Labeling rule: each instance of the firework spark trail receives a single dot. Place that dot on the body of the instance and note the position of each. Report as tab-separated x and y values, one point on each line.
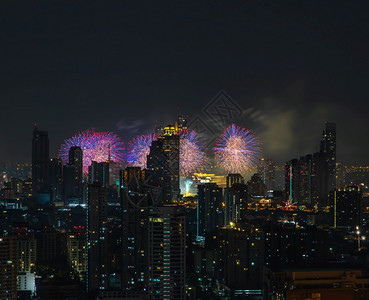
138	149
237	150
96	146
191	153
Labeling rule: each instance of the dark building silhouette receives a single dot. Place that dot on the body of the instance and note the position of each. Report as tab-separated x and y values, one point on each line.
135	205
99	172
346	207
8	267
235	202
56	180
158	173
40	162
210	214
167	253
235	257
256	187
72	177
50	245
328	148
96	237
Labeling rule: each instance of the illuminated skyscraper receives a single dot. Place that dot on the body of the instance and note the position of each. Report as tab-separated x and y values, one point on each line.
96	237
40	162
328	147
292	179
77	251
266	170
167	253
171	142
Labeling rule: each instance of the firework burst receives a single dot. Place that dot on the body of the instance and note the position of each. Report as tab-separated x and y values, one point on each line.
96	146
237	150
138	149
191	153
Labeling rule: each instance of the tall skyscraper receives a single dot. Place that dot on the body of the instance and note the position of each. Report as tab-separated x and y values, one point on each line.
96	237
135	205
99	172
292	179
328	147
235	202
40	162
266	170
72	177
56	180
210	214
171	142
307	186
76	159
167	253
158	173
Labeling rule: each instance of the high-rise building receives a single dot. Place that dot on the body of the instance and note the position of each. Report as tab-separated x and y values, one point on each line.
236	257
77	251
167	253
256	187
328	148
266	170
135	205
210	213
158	173
307	185
346	207
292	179
96	237
76	159
56	180
8	267
235	202
40	162
26	259
50	245
171	142
234	178
99	172
72	177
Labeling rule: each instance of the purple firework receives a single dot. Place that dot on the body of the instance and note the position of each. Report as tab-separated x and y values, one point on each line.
191	153
99	146
138	149
237	150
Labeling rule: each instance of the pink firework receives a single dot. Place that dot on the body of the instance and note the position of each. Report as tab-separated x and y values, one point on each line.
99	146
191	153
237	150
138	149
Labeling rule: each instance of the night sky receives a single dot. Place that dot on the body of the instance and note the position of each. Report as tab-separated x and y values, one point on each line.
123	65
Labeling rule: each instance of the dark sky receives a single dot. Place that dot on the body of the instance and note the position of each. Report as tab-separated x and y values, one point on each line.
121	65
